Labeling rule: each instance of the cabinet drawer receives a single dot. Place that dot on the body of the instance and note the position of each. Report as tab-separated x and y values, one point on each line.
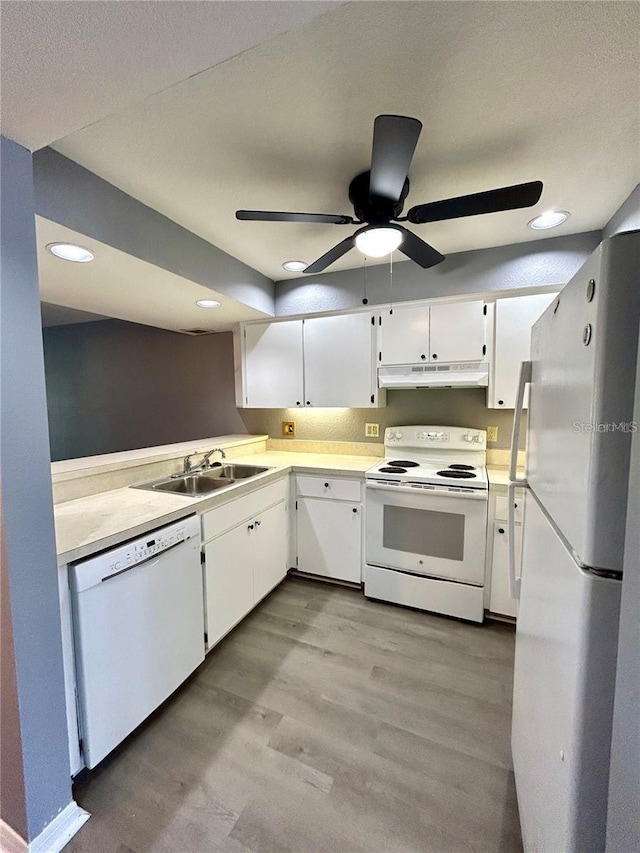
328	487
216	521
502	507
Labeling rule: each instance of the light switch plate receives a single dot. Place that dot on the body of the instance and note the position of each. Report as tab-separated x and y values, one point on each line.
492	433
372	430
289	428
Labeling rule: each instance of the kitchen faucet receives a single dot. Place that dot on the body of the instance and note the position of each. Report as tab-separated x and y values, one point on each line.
203	464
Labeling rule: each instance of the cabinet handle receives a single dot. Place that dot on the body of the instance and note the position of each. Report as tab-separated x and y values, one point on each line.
435	355
501	402
501	530
355	509
308	402
423	356
326	485
249	526
298	403
258	523
515	503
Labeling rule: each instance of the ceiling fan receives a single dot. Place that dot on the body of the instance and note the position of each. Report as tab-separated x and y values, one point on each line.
378	198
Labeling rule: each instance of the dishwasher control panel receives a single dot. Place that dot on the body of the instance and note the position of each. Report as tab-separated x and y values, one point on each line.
104	566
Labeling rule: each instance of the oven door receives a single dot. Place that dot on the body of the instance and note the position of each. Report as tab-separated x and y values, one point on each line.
435	532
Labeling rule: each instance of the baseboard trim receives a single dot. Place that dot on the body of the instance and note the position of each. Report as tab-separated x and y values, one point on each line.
10	841
60	831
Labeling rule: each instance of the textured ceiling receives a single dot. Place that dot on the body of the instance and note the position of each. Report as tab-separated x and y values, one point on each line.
507	92
68	63
118	285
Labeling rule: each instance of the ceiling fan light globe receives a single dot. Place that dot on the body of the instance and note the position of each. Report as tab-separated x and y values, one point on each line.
378	242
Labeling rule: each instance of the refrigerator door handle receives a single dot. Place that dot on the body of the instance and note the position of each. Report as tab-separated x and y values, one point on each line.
514	580
525	378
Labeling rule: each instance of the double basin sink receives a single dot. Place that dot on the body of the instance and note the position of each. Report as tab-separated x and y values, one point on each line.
203	482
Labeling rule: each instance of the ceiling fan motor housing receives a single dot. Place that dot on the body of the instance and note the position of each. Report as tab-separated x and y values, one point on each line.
375	210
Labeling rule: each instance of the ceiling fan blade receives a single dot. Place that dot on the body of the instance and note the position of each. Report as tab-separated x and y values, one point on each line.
332	255
278	216
417	250
505	198
394	141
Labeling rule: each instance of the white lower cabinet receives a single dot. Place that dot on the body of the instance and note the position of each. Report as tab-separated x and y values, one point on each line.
270	545
229	581
329	530
245	556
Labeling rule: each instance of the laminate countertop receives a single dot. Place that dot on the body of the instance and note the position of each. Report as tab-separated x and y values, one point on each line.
90	524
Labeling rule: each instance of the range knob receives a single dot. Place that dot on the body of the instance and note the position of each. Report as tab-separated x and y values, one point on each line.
399	435
468	437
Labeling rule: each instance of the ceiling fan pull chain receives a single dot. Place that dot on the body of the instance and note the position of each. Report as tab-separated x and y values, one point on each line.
365	301
391	283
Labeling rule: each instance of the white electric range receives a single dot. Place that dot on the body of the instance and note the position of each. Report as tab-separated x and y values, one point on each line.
426	520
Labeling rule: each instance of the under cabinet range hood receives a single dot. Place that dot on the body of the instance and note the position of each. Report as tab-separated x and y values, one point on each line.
474	374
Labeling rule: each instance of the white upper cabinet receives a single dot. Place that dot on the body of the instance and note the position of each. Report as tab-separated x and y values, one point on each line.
339	368
273	365
457	332
320	361
404	335
514	318
447	332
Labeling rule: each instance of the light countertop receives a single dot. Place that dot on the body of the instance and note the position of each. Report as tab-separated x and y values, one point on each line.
90	524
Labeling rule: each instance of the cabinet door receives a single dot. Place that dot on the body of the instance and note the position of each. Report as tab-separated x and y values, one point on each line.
271	549
457	332
338	361
404	335
273	365
329	538
228	580
500	601
514	318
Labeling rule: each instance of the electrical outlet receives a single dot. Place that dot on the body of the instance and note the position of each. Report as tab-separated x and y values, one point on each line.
492	433
289	428
372	430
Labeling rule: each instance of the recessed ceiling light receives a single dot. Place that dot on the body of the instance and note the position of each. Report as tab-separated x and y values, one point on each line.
378	242
550	219
71	252
294	266
207	303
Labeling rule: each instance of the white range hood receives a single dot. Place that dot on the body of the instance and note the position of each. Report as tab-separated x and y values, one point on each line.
473	374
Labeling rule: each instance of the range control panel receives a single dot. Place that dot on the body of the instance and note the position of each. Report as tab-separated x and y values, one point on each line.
425	436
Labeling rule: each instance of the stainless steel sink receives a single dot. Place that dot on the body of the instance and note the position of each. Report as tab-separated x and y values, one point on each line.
203	482
236	472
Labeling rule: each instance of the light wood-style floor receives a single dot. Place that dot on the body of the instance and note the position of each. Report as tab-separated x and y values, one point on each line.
325	723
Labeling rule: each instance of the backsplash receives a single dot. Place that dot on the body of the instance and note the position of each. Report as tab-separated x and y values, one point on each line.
463	407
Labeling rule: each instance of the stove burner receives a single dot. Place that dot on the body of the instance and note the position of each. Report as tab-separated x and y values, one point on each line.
392	470
456	475
457	467
402	463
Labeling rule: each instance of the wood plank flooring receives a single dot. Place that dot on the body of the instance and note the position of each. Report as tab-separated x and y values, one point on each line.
325	723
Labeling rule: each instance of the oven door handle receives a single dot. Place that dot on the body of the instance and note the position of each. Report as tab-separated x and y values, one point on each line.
477	494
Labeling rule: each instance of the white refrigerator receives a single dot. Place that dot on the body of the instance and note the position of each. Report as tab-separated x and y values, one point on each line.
582	378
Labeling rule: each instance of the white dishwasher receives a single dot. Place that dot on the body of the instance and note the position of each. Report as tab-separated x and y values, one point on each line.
138	630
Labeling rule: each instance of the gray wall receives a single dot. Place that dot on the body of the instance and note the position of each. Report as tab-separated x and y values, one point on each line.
71	195
550	261
27	510
627	217
113	385
455	407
